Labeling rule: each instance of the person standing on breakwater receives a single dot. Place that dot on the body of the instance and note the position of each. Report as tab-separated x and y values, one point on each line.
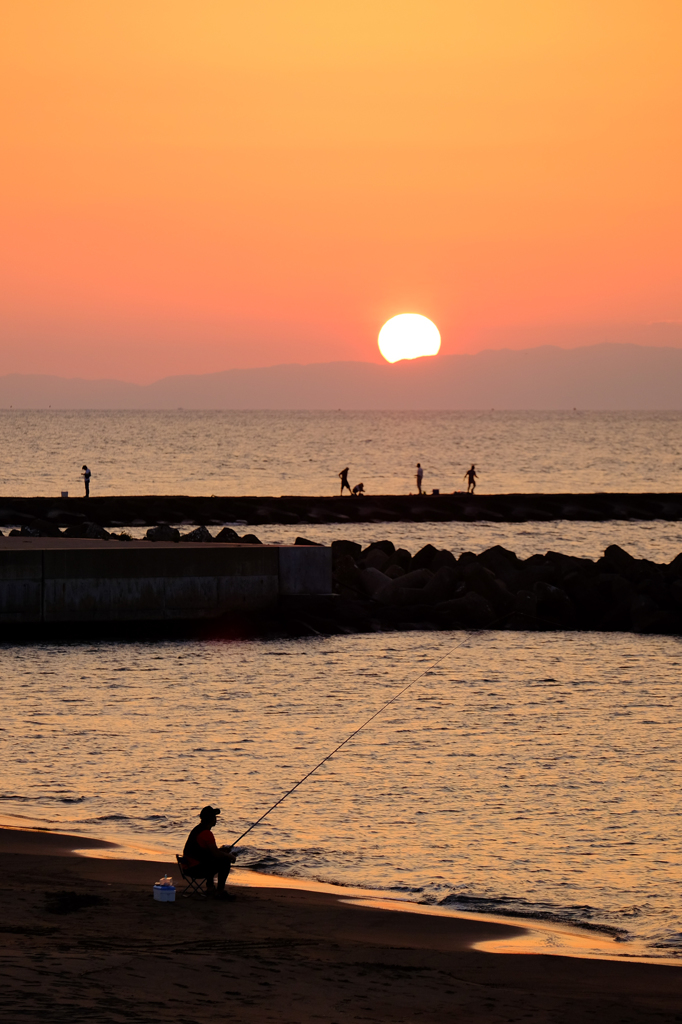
202	856
420	477
343	477
471	475
86	474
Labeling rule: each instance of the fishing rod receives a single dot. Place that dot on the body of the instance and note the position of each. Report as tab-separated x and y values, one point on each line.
359	729
451	650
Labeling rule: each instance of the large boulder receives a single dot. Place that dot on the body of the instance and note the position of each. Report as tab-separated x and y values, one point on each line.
90	531
554	606
393	590
374	582
347	577
536	569
501	562
602	601
471	611
387	546
622	563
400	557
444	559
647	617
93	531
375	559
40	528
424	557
444	584
227	536
483	582
198	536
524	612
163	532
342	548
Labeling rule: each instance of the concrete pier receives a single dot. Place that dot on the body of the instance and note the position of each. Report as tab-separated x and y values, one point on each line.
44	580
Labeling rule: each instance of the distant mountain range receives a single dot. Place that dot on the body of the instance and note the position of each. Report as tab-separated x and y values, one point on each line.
607	376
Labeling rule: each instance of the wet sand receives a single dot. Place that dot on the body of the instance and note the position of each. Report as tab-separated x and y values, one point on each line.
277	953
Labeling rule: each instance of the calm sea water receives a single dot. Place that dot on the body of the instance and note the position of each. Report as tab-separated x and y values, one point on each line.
658	540
536	774
274	453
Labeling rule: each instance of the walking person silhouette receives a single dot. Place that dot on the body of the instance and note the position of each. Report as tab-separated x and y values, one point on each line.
343	476
471	475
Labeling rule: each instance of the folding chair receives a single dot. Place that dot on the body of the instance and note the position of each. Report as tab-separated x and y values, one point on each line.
196	884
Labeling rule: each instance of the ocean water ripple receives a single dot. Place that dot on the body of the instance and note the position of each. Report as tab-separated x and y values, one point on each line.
528	774
275	453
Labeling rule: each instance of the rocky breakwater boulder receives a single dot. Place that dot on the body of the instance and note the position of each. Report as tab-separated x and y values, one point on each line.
163	532
87	531
201	535
384	587
37	528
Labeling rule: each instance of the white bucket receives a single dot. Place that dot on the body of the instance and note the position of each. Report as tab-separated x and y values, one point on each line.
164	893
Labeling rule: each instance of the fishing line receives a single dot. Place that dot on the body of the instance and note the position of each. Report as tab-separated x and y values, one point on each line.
359	729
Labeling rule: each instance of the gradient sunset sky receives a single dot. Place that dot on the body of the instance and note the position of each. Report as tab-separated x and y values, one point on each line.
195	186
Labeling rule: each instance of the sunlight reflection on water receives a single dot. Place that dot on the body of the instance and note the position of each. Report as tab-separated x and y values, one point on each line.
530	773
275	453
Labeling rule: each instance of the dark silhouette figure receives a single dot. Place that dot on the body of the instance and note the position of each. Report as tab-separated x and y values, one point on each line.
359	490
86	474
343	476
471	475
420	477
202	856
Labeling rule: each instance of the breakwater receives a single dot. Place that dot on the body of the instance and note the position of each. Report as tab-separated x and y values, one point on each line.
382	587
149	510
237	588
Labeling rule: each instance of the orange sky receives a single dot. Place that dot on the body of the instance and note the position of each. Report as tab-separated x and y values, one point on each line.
190	187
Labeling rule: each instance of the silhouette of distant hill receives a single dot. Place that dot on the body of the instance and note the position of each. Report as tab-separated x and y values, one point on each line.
607	376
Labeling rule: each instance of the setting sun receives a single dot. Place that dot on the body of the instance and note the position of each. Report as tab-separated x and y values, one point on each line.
408	336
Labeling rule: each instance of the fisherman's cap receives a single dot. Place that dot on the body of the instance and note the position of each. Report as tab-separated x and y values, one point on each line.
206	812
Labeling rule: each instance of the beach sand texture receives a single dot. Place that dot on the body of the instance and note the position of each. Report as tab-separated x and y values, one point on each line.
275	955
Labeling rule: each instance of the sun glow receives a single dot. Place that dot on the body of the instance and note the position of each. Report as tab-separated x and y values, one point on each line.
408	336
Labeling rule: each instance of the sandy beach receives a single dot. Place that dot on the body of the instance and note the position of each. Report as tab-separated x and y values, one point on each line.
279	954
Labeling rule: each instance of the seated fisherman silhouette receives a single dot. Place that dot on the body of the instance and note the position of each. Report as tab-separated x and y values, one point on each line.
202	856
